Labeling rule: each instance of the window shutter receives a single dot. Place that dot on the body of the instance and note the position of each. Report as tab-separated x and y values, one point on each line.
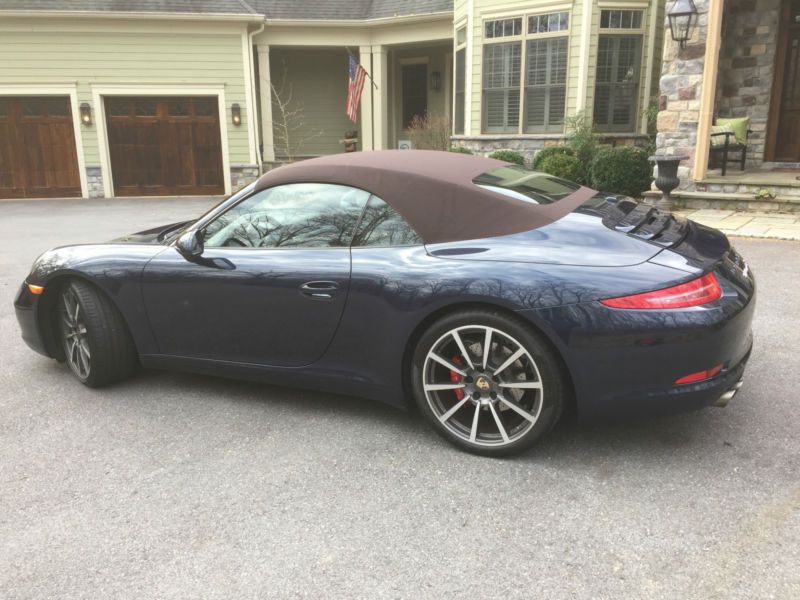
546	79
460	95
616	92
501	79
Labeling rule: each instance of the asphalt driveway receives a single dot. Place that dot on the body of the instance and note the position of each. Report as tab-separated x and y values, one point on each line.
181	486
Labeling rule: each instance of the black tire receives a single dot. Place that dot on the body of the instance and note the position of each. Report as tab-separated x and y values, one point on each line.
98	339
538	360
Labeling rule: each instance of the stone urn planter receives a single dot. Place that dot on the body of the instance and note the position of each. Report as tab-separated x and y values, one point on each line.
667	179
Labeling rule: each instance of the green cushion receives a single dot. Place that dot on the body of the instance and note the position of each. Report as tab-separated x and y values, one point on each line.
719	140
739	126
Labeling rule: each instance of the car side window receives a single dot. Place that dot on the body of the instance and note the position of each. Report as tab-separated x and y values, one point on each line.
295	215
383	226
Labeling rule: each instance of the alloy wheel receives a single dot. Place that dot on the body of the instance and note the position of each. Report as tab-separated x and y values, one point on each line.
483	385
75	335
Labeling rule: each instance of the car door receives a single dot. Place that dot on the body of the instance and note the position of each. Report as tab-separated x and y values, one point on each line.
270	285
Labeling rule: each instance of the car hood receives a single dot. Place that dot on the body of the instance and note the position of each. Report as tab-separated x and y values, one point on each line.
607	231
156	235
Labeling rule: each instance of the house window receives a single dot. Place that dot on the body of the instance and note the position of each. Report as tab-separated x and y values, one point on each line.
503	28
548	23
501	71
617	84
538	63
620	19
460	91
545	84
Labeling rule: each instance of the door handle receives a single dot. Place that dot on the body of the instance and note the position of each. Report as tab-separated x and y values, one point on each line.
321	290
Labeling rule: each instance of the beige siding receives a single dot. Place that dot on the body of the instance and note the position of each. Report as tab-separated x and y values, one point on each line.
318	81
48	52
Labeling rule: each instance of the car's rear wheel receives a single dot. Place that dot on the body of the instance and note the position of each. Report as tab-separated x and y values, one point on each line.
487	382
96	342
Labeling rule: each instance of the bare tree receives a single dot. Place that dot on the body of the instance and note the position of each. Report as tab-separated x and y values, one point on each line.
288	120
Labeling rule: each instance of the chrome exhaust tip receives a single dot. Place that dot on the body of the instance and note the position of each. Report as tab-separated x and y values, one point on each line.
723	400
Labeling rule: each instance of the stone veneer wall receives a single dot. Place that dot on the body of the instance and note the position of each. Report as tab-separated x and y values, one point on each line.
528	146
241	175
746	66
681	87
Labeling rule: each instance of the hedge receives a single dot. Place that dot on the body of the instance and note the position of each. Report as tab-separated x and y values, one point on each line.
563	165
623	171
508	156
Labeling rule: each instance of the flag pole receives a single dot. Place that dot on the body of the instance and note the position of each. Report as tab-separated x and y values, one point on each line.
365	71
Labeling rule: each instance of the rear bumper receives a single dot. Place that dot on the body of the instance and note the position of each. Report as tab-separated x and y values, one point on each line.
26	306
624	363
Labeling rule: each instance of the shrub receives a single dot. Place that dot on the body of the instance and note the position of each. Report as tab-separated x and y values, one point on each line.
430	132
623	170
563	165
581	138
460	150
545	153
508	156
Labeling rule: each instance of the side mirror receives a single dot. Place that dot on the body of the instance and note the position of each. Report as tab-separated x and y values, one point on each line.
190	244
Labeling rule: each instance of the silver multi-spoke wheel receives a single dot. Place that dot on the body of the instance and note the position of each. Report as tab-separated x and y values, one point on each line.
482	385
75	334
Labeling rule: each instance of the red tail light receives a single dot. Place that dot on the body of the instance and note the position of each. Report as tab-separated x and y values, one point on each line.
692	293
700	375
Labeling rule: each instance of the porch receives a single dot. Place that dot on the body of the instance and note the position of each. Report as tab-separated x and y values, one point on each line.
770	188
303	80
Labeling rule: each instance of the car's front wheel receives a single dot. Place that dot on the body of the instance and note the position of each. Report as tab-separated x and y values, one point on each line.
487	382
96	343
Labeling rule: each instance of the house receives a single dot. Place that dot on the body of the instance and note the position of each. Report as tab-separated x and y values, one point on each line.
105	98
740	62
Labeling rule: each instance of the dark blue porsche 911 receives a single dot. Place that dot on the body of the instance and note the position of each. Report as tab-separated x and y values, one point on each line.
493	296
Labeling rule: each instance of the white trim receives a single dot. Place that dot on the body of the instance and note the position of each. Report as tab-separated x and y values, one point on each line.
469	60
51	89
145	16
265	91
541	6
493	13
109	89
583	57
248	92
448	86
362	22
622	5
651	49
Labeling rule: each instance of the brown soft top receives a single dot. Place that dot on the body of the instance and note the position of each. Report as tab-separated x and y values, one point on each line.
432	190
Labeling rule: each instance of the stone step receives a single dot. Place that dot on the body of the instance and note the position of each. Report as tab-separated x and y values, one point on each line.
731	201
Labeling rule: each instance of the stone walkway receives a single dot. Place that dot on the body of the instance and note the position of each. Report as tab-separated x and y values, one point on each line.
782	226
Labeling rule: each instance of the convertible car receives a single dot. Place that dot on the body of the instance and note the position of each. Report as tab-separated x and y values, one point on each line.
492	297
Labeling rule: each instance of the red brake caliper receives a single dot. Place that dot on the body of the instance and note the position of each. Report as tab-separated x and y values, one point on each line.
456	378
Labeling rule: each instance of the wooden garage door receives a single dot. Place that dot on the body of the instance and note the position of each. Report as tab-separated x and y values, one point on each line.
164	146
38	158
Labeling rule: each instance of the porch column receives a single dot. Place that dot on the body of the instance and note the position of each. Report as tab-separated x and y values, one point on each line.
366	133
265	96
687	90
380	75
706	116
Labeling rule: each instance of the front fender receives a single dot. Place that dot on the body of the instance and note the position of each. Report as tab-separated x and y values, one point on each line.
116	269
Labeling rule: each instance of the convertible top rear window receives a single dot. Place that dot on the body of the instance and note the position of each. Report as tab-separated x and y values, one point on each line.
522	184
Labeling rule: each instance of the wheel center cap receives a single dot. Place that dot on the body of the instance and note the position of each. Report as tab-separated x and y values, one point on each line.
483	384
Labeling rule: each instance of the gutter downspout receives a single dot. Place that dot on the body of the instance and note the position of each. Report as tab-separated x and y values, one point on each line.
253	96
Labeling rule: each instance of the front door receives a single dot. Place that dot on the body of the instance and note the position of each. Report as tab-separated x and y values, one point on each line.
271	284
415	92
784	117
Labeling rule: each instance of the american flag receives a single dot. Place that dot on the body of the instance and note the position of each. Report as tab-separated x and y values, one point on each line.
354	87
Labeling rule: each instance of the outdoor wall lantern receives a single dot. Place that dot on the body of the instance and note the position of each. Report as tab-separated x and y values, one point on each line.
86	114
436	81
682	19
236	114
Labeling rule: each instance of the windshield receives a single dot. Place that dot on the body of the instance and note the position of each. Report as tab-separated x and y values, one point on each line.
522	184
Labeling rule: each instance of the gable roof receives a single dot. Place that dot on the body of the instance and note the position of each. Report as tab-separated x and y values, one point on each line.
166	7
317	10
